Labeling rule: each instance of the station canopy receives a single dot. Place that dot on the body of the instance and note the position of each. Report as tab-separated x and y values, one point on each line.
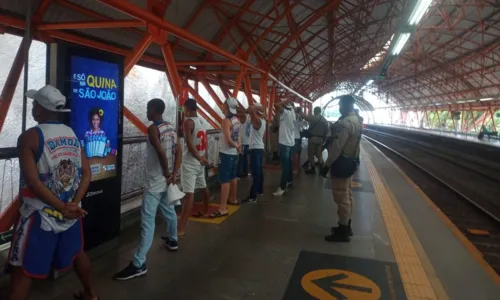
312	46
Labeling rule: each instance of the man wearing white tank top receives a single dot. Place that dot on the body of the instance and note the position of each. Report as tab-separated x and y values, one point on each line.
256	146
193	162
55	176
163	161
229	148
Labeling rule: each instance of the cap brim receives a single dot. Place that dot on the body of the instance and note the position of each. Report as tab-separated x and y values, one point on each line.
31	94
232	110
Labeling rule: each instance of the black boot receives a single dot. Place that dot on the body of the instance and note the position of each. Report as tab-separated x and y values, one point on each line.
348	225
340	234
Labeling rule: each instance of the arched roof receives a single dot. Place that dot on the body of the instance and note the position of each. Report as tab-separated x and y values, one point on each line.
313	46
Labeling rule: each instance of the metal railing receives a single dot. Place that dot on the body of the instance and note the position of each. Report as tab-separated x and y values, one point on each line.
133	167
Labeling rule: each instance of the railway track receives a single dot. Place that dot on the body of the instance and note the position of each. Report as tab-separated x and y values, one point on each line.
468	196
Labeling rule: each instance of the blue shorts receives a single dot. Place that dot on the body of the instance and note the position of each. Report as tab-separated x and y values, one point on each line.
38	251
228	165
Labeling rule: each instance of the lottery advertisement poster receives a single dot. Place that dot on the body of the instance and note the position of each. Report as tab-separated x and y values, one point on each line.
95	98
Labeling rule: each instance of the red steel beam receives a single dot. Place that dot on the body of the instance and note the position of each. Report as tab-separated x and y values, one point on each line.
91	25
172	72
205	63
237	84
141	14
137	53
333	4
211	91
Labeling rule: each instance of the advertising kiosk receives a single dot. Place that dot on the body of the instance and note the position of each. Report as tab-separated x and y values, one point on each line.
92	82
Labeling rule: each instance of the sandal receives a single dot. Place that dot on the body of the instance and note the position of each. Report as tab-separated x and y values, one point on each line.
80	295
233	203
199	215
218	214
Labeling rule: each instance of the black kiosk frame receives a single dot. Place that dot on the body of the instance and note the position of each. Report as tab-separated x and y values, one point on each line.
102	202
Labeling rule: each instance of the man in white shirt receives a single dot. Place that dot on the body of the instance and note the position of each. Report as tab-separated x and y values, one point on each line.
163	160
286	140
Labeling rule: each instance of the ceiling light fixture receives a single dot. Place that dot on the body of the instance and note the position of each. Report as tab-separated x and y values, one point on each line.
485	99
419	11
401	41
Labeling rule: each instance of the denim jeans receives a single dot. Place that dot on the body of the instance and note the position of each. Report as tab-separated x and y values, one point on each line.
243	162
286	165
257	170
149	208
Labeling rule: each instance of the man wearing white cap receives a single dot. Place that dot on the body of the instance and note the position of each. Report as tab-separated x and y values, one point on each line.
55	176
230	147
286	141
256	145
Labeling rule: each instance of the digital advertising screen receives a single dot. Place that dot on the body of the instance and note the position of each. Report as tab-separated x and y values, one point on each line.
95	103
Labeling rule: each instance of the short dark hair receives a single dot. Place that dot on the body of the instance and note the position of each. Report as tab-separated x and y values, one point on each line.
347	100
317	110
157	105
191	104
96	111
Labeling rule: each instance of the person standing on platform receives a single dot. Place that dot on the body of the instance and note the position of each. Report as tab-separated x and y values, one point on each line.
342	164
163	160
54	180
193	163
229	149
244	136
256	145
318	129
286	139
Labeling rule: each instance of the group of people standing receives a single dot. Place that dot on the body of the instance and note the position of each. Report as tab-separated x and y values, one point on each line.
41	242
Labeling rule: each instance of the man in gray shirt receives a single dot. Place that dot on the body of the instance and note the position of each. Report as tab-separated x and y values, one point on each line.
318	129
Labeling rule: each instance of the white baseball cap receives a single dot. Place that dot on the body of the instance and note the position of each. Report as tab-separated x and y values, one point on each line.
232	104
49	98
259	108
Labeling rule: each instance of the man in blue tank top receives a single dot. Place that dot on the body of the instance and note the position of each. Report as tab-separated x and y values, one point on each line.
162	148
48	233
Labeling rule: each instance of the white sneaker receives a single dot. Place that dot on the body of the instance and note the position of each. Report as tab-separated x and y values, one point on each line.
279	192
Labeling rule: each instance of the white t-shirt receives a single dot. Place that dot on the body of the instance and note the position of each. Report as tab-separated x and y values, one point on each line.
200	142
297	128
287	128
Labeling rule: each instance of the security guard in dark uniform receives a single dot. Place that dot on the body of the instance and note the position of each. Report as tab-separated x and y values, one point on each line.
343	154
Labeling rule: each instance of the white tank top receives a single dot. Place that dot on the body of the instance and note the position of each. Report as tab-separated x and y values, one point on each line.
257	136
155	181
59	164
200	141
234	131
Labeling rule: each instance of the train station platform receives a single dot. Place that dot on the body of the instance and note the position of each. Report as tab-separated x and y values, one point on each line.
403	248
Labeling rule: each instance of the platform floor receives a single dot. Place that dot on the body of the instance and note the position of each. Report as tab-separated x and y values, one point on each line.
402	248
469	137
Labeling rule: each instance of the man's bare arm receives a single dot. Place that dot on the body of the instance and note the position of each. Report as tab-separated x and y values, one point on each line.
28	146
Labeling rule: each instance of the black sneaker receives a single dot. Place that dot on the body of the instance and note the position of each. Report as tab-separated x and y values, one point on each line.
172	245
250	200
130	272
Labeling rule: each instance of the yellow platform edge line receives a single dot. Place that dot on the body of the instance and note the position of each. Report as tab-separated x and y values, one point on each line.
415	281
478	256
